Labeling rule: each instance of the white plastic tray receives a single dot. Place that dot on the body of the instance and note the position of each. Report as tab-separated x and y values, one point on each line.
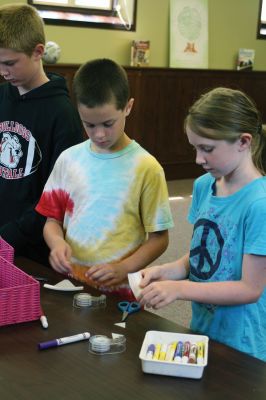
169	367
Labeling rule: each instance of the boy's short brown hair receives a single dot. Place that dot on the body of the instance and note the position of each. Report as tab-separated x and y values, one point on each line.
21	28
101	81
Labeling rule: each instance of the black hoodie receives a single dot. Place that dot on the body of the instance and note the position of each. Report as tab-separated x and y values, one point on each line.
34	129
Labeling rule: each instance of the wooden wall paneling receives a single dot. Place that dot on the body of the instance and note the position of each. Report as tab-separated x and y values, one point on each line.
133	121
169	133
162	99
67	71
175	99
256	89
146	96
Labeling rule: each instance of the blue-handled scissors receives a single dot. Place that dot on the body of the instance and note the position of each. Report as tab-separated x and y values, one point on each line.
128	308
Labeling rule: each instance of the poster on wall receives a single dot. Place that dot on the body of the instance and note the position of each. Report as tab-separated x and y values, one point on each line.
189	33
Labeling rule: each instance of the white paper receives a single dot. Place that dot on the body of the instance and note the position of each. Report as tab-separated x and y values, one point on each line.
121	324
134	281
64	285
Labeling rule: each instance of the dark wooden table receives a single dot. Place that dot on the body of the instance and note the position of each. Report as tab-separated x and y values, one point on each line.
70	372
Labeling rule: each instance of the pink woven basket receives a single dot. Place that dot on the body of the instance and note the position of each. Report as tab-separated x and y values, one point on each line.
19	295
6	251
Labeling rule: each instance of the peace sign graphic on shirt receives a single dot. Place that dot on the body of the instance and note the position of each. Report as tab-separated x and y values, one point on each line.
206	257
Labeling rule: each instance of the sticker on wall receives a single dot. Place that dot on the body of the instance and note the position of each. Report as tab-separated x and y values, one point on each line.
189	33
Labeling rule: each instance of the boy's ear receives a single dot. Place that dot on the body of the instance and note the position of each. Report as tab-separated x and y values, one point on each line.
38	51
129	106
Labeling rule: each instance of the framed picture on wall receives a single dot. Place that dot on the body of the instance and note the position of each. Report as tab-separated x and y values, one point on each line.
189	33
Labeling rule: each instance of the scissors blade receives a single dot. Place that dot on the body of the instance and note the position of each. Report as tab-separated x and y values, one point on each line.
124	316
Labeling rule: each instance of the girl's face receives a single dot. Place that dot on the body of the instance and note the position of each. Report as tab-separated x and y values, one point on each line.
218	157
105	125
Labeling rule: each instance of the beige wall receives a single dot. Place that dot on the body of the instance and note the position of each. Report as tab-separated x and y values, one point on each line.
232	24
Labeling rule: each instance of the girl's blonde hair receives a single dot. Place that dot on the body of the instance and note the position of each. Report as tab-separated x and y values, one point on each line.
224	114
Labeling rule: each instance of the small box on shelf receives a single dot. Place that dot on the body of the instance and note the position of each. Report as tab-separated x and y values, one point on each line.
245	59
140	53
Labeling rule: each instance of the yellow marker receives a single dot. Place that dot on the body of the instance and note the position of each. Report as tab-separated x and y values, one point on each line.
200	347
163	352
170	351
157	351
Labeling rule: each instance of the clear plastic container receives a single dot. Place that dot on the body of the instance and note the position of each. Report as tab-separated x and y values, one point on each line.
82	300
101	345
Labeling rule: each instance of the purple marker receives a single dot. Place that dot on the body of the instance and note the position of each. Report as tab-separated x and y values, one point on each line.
150	351
179	352
64	340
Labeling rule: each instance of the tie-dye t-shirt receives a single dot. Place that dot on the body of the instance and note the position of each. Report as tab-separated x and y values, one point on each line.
107	202
226	228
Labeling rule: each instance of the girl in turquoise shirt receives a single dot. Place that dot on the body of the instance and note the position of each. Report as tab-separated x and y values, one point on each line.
224	274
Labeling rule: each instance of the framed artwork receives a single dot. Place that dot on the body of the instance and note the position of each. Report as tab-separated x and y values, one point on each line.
188	33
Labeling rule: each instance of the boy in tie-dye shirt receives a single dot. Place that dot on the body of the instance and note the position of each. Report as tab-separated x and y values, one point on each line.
106	200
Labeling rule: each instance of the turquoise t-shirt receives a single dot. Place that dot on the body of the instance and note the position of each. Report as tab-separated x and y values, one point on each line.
226	228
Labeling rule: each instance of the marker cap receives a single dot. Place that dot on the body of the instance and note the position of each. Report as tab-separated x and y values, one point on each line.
47	345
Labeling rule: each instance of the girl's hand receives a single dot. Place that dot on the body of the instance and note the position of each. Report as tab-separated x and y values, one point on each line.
150	274
159	294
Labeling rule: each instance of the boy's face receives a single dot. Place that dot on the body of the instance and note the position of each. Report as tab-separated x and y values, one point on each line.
21	70
105	125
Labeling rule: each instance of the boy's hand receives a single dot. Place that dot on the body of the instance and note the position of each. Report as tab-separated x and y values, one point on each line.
60	257
107	274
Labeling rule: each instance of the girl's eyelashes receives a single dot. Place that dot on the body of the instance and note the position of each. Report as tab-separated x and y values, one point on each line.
206	149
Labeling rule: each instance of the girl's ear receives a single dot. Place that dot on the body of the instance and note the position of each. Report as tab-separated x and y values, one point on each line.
129	106
245	141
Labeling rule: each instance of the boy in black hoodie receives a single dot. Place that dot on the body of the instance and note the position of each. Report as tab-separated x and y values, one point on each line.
37	122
